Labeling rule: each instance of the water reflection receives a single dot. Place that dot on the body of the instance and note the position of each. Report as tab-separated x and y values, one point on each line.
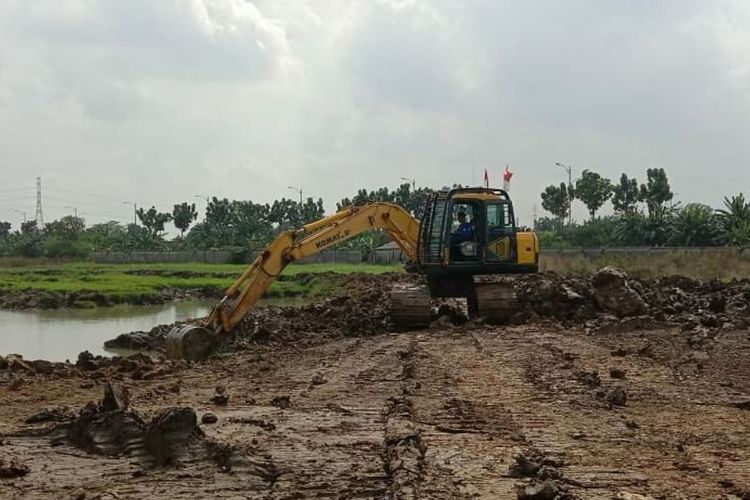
61	334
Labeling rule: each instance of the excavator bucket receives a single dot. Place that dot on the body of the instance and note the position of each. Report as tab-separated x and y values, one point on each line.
191	342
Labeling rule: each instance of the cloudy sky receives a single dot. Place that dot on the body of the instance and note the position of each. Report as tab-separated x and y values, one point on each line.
155	102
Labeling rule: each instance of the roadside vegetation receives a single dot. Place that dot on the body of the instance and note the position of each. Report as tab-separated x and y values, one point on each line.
240	226
133	283
645	215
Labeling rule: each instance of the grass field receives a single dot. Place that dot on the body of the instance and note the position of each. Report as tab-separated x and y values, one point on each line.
706	264
122	280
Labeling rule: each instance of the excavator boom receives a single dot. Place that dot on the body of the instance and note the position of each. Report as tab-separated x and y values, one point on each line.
192	342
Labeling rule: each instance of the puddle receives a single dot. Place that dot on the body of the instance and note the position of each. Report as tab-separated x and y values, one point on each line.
61	334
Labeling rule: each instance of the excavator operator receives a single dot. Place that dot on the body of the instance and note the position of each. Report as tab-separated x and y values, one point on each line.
465	231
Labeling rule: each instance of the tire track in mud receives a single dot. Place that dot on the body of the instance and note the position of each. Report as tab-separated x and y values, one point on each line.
469	431
403	449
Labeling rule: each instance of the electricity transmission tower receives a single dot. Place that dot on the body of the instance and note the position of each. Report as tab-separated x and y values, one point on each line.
39	216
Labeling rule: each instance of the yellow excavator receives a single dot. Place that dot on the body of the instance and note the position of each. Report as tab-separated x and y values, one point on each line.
464	238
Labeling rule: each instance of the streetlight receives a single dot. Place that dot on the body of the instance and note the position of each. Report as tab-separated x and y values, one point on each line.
299	190
135	210
75	210
570	189
20	212
413	182
202	198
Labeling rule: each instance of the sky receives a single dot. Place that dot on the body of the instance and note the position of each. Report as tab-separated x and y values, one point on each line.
159	102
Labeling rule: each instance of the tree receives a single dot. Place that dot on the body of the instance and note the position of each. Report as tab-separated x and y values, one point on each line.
734	220
556	200
153	221
29	227
625	195
105	236
593	190
250	224
635	228
656	192
311	211
694	225
183	216
68	227
4	229
594	233
219	222
29	242
546	224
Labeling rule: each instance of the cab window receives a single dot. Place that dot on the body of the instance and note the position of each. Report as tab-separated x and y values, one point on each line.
498	216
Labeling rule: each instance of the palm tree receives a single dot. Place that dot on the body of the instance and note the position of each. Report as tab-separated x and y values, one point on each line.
694	225
734	220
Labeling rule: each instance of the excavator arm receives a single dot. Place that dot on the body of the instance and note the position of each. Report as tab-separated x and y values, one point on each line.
290	246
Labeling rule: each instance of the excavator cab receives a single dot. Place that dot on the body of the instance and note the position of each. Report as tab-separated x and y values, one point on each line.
495	245
467	265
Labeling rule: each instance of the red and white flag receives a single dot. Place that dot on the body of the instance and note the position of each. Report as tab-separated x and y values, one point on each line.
506	178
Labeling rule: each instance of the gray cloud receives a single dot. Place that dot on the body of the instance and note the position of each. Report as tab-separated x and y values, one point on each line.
155	102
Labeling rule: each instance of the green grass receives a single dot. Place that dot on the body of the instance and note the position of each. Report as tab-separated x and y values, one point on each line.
115	281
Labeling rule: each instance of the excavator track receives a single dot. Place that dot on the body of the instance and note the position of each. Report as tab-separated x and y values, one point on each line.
410	307
496	301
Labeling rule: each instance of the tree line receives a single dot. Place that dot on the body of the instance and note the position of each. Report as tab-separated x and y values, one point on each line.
645	214
227	224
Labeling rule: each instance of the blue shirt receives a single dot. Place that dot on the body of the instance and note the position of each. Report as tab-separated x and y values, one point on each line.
465	232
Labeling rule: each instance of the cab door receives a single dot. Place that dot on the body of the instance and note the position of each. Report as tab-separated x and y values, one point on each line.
500	233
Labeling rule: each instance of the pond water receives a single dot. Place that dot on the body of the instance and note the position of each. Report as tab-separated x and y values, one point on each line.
61	334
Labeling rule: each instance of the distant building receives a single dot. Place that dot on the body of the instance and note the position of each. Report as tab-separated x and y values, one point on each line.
390	253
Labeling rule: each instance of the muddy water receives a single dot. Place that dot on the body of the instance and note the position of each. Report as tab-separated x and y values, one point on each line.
61	334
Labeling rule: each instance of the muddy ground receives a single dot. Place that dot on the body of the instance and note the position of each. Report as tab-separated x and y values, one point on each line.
602	399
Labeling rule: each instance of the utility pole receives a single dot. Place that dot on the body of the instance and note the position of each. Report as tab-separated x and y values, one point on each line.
412	181
570	191
20	212
534	215
135	210
299	190
39	216
75	210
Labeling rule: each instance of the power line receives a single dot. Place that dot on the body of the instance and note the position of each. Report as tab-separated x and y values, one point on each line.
79	193
20	198
89	203
11	190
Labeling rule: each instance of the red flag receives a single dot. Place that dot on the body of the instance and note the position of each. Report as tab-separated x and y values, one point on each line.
507	174
506	178
486	179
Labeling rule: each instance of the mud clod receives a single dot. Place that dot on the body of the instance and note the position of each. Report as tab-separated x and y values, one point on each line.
220	399
617	373
56	414
13	469
282	402
111	428
546	490
209	418
590	379
617	397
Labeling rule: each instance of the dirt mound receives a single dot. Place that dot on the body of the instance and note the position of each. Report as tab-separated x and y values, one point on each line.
111	428
360	308
608	299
